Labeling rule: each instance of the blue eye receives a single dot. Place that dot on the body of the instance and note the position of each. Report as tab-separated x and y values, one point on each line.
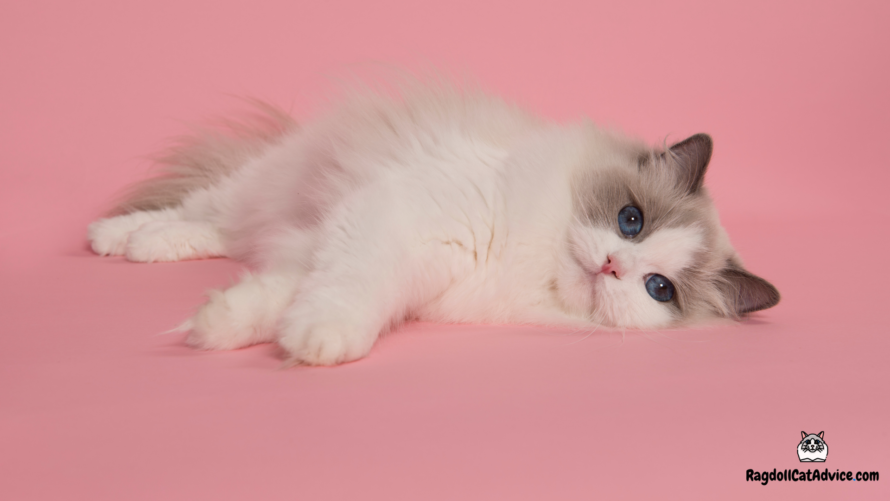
630	221
660	288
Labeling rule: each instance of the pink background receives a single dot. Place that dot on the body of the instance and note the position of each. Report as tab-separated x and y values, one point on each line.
94	405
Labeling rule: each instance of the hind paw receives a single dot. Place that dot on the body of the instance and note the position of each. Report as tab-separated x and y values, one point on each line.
173	241
242	315
109	236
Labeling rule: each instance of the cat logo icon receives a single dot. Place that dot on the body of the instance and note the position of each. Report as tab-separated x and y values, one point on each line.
812	448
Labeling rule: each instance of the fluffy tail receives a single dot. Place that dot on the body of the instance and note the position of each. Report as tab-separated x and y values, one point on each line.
201	159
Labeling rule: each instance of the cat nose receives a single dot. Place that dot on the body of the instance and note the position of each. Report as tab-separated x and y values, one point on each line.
612	267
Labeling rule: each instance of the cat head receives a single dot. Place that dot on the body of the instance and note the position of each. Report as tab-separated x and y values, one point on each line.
812	443
646	248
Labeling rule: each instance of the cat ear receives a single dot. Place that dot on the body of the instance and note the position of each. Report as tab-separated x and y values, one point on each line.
745	292
803	434
690	158
821	433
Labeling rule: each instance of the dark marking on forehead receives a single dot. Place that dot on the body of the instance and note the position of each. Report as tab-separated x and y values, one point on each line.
600	196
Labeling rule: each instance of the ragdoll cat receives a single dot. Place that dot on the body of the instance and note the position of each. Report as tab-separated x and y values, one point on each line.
812	447
441	205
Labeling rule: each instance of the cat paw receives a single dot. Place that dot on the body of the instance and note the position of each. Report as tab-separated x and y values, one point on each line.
225	323
326	343
108	237
173	241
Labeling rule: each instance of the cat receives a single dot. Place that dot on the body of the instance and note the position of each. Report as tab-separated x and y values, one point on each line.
812	447
439	204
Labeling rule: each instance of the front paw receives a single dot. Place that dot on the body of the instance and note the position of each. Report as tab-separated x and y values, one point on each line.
226	323
329	342
108	237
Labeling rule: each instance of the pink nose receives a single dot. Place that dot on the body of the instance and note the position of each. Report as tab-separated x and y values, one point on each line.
612	267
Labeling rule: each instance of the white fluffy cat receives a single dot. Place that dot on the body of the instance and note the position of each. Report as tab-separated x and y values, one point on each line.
437	204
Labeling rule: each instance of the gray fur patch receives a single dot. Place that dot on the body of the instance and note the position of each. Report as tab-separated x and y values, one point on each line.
203	158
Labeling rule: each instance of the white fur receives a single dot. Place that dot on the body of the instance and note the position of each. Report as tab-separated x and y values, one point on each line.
244	314
149	236
447	208
109	237
623	301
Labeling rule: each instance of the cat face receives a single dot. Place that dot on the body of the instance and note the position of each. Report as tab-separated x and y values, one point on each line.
812	447
812	442
646	248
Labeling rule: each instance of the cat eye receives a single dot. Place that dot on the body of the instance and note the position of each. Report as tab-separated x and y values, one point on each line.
660	288
630	221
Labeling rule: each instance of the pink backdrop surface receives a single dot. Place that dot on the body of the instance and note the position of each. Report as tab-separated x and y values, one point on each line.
94	404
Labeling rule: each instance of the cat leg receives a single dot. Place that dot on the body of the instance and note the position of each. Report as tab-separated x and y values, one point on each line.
249	312
148	236
244	314
367	276
174	241
109	236
339	313
333	323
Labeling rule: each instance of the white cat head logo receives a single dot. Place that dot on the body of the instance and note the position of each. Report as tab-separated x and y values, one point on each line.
812	448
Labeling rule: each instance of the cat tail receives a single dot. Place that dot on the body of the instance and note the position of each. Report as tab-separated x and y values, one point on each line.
205	156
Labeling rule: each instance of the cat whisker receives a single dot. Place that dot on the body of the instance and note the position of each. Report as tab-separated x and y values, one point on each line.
590	333
646	335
